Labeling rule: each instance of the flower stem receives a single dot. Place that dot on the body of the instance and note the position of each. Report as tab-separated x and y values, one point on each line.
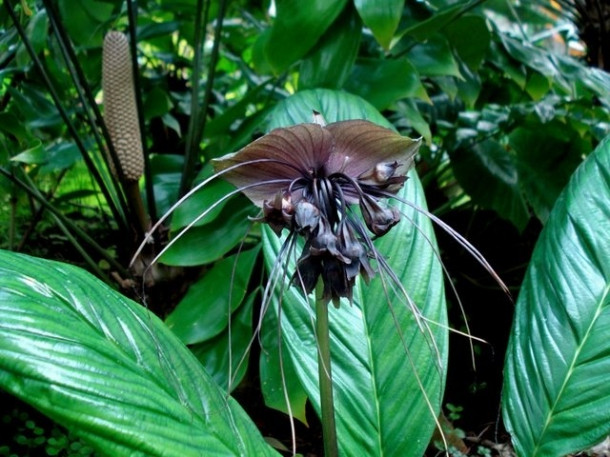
329	429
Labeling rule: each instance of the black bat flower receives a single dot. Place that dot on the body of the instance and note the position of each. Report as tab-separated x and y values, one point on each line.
308	179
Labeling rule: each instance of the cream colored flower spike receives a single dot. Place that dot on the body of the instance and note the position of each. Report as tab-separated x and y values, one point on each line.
120	109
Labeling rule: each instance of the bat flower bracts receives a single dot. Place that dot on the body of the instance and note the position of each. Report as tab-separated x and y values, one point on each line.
309	178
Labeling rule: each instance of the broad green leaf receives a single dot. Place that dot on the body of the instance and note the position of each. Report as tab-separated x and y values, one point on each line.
547	155
423	30
470	37
108	370
156	29
434	58
381	358
538	60
331	60
408	109
537	85
382	17
469	87
208	243
61	155
33	155
34	106
331	103
556	398
157	103
297	27
488	173
214	354
277	372
383	81
203	312
202	200
84	20
166	171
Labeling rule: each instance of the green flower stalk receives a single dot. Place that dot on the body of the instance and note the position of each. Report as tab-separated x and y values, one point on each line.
308	179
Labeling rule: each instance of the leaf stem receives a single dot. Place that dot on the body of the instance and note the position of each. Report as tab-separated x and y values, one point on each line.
329	428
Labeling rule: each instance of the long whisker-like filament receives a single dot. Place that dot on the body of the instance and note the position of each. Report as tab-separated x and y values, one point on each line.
274	276
453	289
293	433
184	230
205	182
427	333
230	376
459	238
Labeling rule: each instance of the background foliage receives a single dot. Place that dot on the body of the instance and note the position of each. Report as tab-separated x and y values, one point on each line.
510	98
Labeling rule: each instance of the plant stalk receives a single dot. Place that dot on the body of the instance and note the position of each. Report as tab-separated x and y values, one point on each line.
329	429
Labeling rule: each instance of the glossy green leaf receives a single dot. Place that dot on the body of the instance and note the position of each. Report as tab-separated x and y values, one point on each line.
201	201
83	20
383	81
380	355
382	17
61	155
469	88
166	171
488	173
556	392
157	103
408	109
208	243
33	155
331	60
203	312
297	27
227	371
331	103
538	60
434	58
547	155
423	30
108	370
277	372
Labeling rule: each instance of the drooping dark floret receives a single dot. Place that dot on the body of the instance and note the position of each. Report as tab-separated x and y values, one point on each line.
308	179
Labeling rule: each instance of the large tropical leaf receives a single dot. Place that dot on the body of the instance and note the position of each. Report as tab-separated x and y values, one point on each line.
387	372
382	17
297	27
556	392
108	369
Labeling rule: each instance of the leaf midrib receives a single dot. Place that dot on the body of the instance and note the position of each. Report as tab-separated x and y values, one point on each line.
550	416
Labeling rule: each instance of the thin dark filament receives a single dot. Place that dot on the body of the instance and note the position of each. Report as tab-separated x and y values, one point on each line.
453	290
230	313
183	232
320	203
427	333
278	270
424	328
148	236
293	433
383	265
456	236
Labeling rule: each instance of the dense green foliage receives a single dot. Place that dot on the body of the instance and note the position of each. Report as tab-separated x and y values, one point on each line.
506	114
